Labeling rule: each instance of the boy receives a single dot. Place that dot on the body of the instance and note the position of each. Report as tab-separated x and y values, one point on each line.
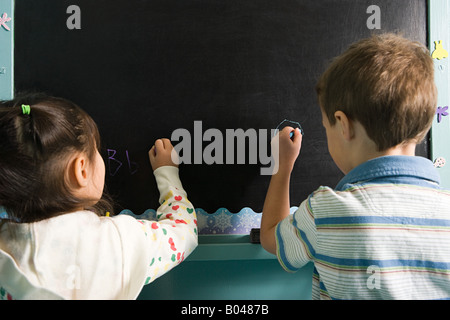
384	231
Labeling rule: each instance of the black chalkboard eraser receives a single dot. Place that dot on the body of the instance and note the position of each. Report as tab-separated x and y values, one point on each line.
254	236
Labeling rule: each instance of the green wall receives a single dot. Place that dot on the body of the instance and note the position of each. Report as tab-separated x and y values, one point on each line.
6	50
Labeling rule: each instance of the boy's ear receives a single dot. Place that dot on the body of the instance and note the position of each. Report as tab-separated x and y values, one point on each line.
79	171
345	125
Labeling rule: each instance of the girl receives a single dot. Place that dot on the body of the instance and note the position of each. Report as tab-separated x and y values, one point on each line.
57	241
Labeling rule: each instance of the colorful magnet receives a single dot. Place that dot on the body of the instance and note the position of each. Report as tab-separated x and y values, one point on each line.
439	162
439	53
3	20
441	112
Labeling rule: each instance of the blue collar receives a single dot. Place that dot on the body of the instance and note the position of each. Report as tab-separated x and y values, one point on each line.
393	169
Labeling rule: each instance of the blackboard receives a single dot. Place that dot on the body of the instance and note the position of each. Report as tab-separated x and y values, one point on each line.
144	68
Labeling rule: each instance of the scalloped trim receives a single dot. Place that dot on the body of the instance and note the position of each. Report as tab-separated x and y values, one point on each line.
220	222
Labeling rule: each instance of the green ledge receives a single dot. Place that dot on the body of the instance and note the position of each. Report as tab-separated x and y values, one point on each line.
228	247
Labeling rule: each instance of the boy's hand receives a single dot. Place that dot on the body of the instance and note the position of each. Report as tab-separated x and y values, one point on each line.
288	148
277	204
161	154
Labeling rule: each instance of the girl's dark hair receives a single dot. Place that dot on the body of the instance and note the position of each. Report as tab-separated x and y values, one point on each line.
35	150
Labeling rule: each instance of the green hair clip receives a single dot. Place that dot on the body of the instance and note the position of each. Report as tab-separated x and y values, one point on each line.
26	109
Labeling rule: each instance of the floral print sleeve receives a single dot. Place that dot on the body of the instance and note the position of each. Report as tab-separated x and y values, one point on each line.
174	235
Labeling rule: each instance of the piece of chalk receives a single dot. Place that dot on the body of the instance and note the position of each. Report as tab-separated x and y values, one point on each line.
291	134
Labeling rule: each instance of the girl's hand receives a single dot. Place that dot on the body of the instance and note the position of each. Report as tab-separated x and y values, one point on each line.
161	154
288	148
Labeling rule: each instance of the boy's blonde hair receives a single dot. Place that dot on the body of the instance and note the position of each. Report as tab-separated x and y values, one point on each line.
386	83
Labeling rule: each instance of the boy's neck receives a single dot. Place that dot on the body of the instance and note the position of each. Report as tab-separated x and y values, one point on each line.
406	149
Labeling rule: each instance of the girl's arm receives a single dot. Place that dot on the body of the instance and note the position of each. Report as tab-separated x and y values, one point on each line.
175	231
152	248
174	234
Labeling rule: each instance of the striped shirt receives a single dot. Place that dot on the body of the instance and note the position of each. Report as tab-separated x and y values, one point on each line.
382	233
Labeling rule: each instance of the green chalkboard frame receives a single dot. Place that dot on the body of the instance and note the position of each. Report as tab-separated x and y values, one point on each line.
439	30
7	50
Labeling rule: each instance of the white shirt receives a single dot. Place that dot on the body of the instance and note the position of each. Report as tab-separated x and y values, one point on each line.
83	256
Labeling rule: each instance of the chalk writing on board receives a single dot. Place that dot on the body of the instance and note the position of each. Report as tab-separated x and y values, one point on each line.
439	53
3	20
114	164
441	112
286	122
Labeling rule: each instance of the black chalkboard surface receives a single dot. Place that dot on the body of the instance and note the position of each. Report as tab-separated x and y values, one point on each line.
145	68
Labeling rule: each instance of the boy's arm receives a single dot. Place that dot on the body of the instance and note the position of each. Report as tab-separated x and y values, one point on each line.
276	208
277	204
